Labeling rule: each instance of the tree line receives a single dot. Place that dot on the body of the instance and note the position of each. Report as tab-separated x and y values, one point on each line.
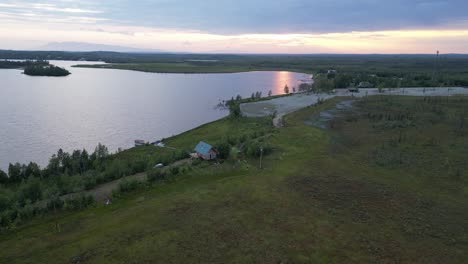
14	64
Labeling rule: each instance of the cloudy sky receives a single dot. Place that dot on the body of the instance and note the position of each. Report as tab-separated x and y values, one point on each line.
241	26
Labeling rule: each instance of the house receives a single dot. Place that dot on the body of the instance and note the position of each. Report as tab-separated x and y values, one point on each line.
331	71
205	151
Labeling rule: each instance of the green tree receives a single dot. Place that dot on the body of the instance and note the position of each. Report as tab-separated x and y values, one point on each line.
234	109
33	170
3	177
31	190
100	155
76	164
53	167
14	172
85	161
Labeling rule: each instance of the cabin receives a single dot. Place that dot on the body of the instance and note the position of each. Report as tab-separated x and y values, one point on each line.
205	151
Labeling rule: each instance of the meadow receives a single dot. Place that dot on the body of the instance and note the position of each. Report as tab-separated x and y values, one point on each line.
385	182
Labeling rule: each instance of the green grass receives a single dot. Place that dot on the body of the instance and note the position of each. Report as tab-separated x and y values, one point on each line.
212	133
186	67
379	70
321	198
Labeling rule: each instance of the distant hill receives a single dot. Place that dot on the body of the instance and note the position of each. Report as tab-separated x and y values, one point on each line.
85	47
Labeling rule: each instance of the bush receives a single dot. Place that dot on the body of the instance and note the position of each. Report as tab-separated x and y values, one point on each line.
78	202
55	203
128	185
139	166
155	175
117	169
224	149
89	182
174	170
253	149
6	218
31	190
25	213
196	162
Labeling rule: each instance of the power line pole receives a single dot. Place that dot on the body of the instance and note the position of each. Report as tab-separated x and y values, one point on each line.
261	156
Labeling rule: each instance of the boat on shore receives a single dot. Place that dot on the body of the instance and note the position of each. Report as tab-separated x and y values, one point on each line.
139	142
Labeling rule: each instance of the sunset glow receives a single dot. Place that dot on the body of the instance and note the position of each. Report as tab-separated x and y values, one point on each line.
29	26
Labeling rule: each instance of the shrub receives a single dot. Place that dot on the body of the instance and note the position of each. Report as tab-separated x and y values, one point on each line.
223	148
196	162
155	175
174	170
25	213
55	203
128	185
138	166
242	138
253	149
5	219
31	190
77	202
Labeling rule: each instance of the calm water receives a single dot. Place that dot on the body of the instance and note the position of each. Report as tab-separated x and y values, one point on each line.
39	115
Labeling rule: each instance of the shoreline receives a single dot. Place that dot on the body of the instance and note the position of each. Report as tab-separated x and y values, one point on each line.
284	105
109	66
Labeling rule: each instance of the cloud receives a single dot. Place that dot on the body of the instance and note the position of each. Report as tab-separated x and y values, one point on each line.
261	16
287	26
286	16
51	7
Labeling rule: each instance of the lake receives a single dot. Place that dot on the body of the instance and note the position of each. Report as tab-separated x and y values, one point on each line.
39	115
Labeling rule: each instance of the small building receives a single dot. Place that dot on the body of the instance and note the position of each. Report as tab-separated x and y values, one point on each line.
331	71
205	151
139	142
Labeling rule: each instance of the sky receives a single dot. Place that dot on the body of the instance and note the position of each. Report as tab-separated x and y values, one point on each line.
241	26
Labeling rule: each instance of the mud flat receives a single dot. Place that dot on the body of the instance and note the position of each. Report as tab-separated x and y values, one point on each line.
284	105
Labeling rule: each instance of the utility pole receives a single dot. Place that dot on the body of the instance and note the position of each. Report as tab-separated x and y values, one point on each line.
261	156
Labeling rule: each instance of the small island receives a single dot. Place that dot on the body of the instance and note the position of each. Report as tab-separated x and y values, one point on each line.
45	70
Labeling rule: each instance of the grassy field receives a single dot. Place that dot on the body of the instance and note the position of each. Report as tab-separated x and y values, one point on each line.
386	183
174	67
378	70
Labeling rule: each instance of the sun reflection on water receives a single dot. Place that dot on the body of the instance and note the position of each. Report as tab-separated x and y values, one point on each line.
281	79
